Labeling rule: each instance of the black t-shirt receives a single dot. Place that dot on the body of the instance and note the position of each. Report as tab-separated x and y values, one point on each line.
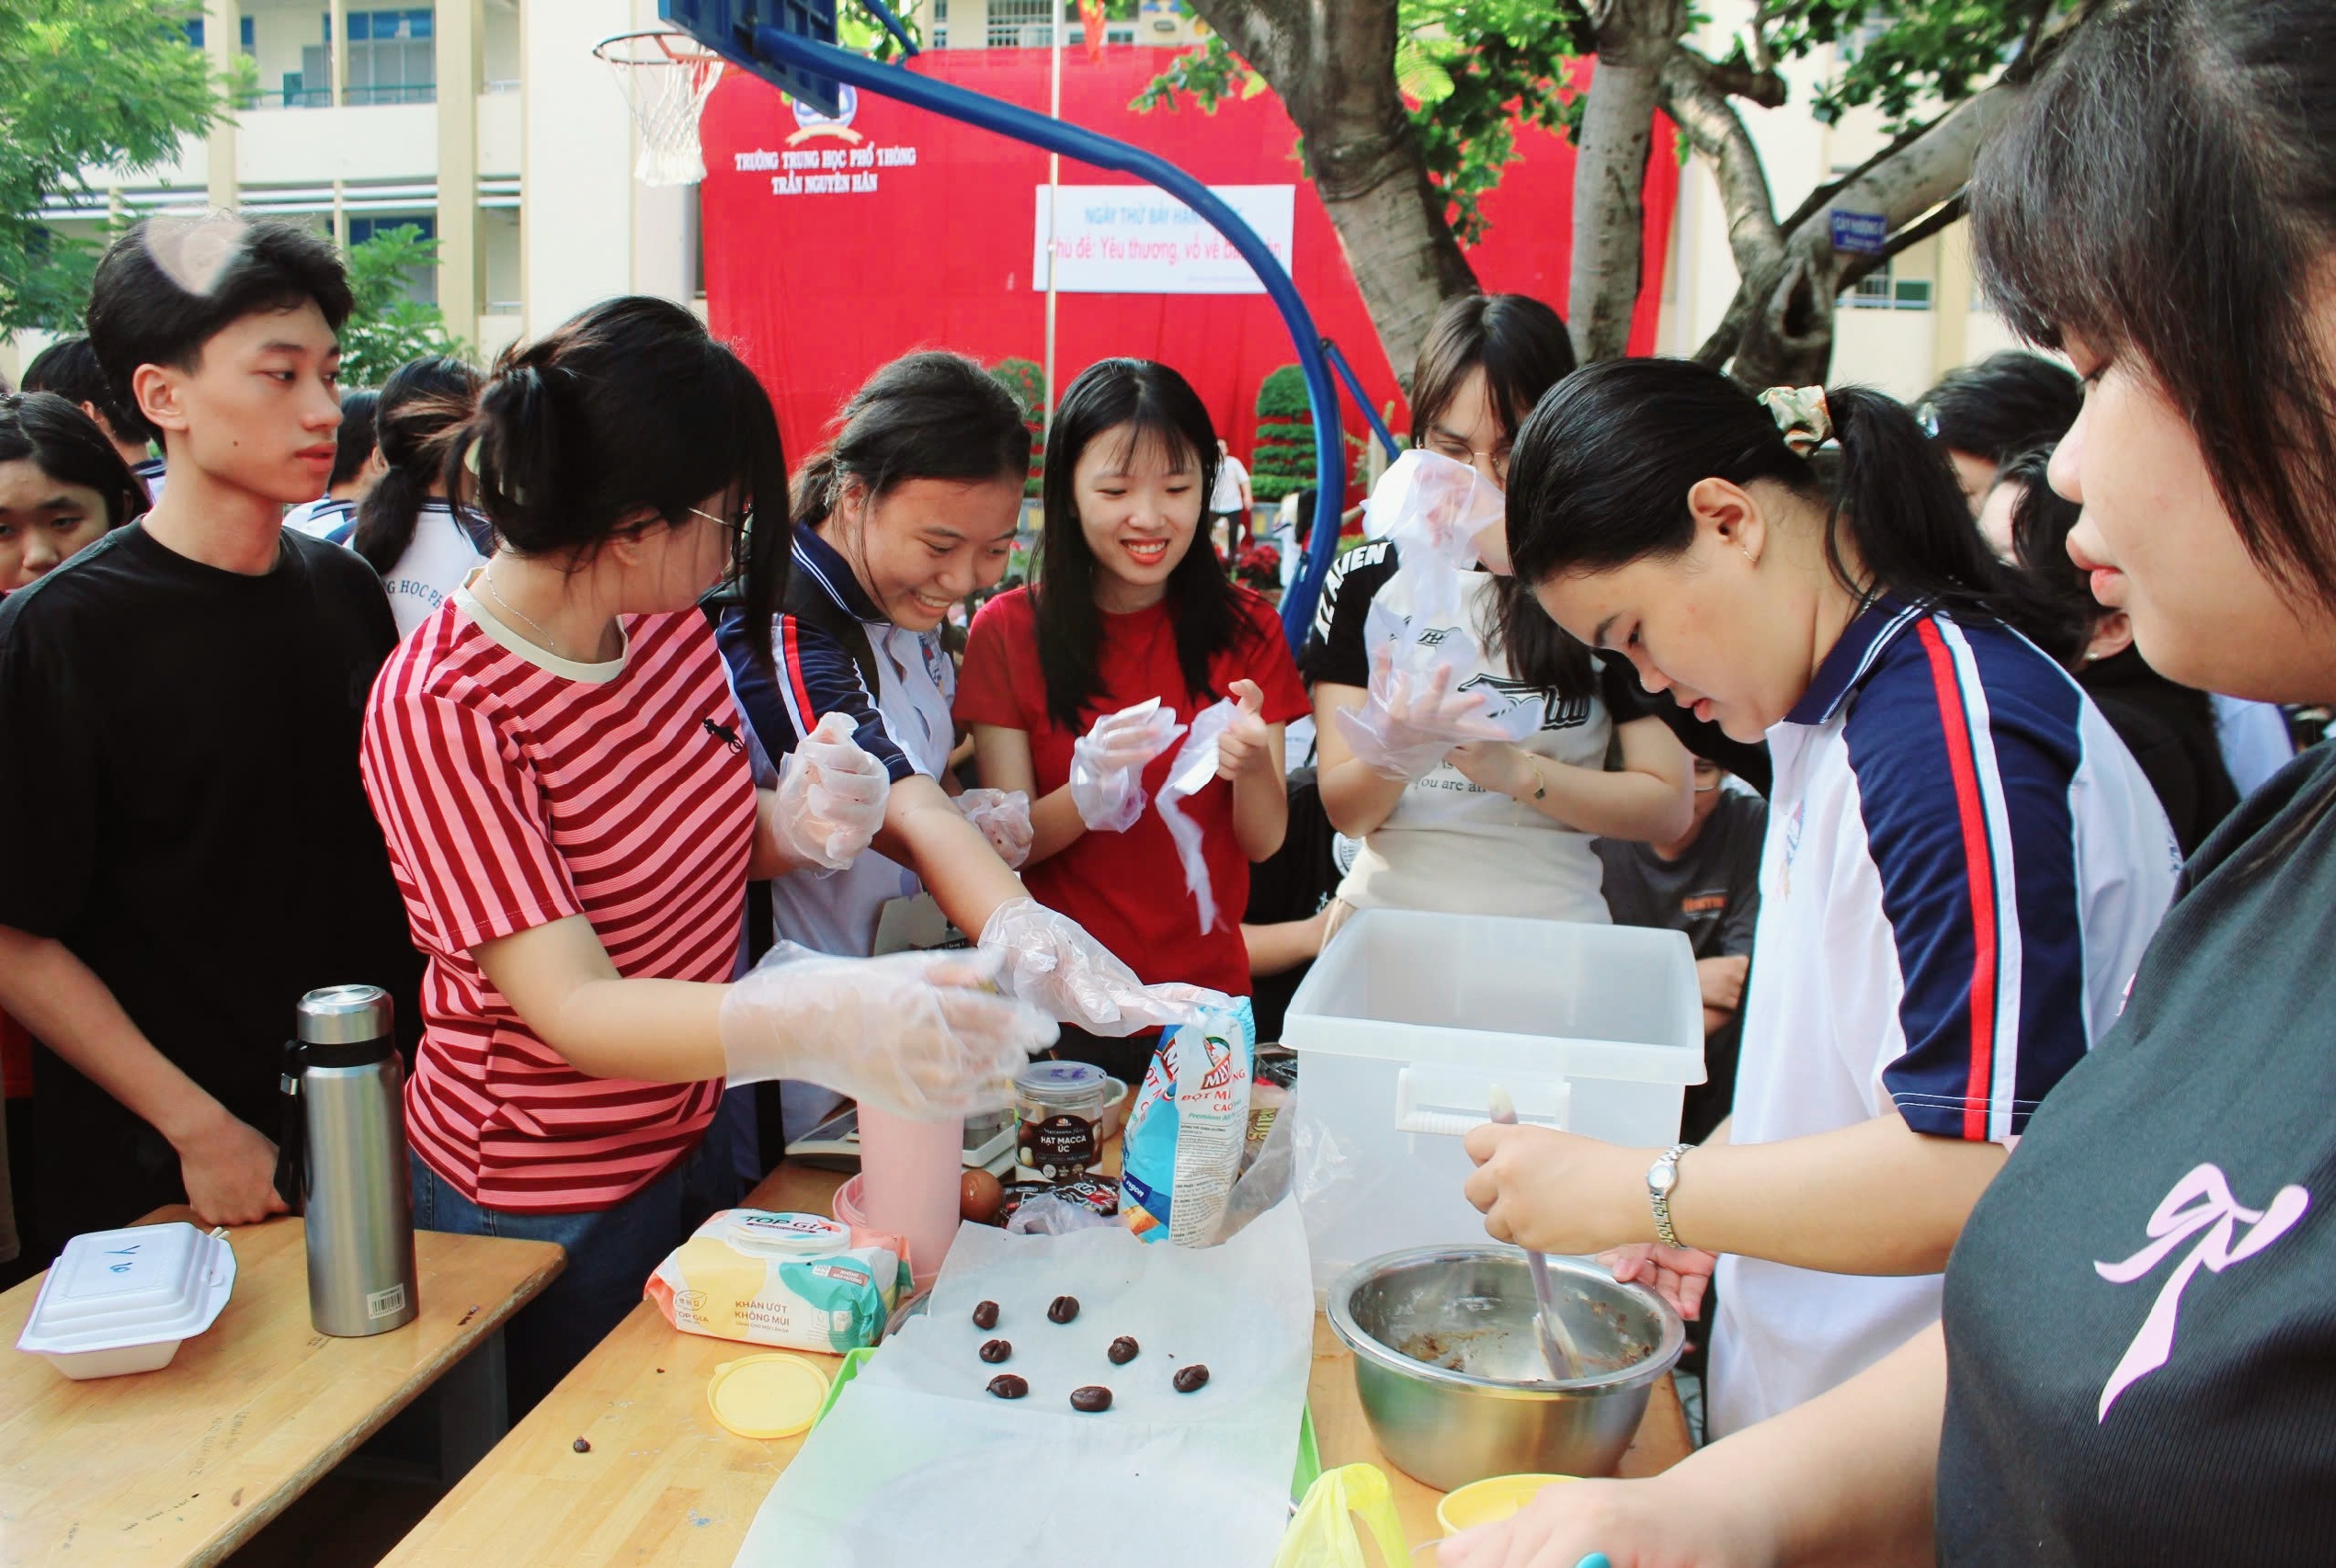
1338	651
2141	1338
1712	894
2171	731
178	752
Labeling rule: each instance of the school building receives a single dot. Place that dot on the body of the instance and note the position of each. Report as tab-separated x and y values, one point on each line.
489	125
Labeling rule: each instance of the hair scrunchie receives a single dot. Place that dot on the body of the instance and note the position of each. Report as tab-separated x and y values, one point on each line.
1801	415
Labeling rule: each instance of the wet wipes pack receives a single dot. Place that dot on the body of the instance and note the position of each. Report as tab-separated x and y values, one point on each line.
797	1281
1186	1132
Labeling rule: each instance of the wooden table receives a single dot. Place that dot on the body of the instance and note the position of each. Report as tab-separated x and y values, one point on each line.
184	1464
664	1483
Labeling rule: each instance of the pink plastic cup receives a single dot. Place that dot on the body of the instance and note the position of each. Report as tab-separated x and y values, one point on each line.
910	1177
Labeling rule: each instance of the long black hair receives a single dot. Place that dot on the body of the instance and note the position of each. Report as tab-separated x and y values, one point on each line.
930	414
1523	348
629	406
423	406
1152	405
2007	403
67	444
2168	190
1601	473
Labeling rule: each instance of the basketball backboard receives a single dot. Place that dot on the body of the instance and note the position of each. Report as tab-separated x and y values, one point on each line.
727	27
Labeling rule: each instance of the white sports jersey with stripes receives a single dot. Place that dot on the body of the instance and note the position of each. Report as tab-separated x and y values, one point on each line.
516	788
1962	869
905	723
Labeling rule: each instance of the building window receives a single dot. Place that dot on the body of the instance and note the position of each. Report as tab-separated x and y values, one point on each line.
393	59
421	282
1020	24
1879	290
1120	34
195	34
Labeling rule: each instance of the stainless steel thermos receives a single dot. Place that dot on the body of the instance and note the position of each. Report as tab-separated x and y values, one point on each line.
342	1162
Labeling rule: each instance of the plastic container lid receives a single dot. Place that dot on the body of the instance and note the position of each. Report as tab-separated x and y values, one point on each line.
785	1235
1491	1500
112	1289
1061	1080
771	1395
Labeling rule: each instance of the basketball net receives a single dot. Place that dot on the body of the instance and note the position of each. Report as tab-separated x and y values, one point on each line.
666	78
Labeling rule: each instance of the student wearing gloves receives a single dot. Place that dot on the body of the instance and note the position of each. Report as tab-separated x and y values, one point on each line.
559	770
908	510
1080	691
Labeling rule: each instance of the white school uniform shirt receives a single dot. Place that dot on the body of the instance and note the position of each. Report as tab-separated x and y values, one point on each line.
1963	866
327	518
906	723
448	545
1226	495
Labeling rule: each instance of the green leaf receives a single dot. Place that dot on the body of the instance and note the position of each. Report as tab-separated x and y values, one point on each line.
387	327
107	85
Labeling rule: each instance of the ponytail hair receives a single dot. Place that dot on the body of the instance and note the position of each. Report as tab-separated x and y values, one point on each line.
629	407
930	414
422	407
1600	474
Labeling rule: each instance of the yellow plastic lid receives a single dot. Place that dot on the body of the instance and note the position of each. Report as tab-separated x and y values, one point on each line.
1491	1500
771	1395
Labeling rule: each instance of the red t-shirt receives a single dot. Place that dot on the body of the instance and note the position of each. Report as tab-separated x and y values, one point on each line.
1127	888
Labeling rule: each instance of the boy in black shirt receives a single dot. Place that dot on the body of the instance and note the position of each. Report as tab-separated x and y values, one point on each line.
179	711
1707	883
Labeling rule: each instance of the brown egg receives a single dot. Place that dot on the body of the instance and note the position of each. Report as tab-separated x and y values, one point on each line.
978	1197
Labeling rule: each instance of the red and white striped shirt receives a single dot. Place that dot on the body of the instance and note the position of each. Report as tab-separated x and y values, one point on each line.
516	788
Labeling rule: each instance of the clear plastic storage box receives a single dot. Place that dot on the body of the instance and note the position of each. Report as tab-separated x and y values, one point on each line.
121	1301
1408	1021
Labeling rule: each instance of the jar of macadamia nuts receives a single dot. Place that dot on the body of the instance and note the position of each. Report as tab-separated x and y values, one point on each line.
1058	1111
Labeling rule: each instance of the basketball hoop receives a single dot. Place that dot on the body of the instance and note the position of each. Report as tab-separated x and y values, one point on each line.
666	78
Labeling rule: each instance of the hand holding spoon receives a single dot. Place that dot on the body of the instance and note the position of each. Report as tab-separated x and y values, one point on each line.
1558	1346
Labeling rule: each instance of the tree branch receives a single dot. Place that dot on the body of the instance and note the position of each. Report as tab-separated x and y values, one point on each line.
1699	106
1761	85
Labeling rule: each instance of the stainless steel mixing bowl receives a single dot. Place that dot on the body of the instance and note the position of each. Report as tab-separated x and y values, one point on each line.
1452	1379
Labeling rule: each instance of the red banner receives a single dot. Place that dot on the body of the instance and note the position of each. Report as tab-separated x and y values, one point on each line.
832	246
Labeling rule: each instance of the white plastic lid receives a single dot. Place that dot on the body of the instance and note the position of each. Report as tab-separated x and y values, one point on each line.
109	1290
791	1236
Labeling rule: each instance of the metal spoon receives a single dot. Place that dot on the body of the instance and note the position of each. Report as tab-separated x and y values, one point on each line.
1558	1346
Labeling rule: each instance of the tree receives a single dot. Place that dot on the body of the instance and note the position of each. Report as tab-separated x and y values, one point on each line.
386	324
1025	380
1465	71
83	84
1282	462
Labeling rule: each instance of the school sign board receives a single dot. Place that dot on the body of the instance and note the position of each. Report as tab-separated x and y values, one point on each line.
1137	239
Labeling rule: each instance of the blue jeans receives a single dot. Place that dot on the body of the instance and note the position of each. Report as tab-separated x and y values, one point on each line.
611	1253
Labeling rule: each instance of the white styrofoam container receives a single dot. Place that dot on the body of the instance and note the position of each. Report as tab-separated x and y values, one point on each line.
1407	1022
120	1301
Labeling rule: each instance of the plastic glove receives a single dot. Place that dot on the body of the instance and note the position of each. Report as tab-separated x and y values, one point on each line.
1004	817
1408	721
1108	763
920	1034
1052	963
831	796
1432	504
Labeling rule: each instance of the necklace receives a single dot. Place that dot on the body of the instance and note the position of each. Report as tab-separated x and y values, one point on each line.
488	576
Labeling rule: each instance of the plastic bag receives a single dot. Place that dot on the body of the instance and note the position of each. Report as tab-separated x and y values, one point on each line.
1195	765
1269	1179
1108	764
1188	1128
1322	1534
1445	521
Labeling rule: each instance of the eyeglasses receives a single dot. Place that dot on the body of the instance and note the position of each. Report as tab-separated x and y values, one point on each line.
1498	461
738	529
1703	789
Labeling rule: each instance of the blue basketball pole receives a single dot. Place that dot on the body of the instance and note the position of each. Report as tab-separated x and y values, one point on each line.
775	50
1361	400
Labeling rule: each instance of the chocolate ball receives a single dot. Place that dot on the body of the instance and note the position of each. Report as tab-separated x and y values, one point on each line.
1123	1350
1063	1309
1006	1385
1191	1379
1091	1400
985	1314
996	1350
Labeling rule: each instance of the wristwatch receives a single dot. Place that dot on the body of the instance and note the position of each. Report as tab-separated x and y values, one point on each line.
1662	1180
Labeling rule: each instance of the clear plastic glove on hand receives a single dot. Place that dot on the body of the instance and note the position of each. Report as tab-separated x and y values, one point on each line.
922	1035
1108	763
1004	817
1432	504
831	796
1052	963
1409	719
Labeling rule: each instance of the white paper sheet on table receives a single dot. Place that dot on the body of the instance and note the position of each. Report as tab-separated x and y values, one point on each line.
918	1463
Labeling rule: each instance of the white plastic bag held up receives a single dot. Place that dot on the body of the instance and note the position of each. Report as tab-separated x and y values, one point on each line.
1195	766
1445	520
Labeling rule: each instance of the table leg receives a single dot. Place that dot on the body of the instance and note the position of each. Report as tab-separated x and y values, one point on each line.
474	1409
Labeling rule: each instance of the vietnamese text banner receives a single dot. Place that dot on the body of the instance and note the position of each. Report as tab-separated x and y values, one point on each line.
1137	239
